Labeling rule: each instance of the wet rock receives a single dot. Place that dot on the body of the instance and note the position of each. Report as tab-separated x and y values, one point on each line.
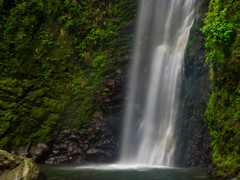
51	160
100	141
96	144
24	151
14	167
115	98
55	152
194	139
74	137
40	152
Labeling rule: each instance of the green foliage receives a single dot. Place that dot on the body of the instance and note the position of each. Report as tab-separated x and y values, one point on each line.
56	55
222	30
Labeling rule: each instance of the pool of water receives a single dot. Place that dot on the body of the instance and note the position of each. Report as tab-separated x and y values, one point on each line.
115	172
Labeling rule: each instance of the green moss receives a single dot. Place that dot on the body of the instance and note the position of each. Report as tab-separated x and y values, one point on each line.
222	32
34	95
56	55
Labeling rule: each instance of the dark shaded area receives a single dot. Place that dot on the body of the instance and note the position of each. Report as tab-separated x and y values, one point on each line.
96	144
193	139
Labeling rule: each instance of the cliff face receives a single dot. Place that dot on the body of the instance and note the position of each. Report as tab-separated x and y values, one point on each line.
60	65
209	135
64	66
63	79
222	117
193	144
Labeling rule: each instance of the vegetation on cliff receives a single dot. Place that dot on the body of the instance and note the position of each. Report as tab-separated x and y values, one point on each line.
54	58
222	117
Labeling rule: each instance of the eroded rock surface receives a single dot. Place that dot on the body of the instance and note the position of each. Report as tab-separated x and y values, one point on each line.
14	167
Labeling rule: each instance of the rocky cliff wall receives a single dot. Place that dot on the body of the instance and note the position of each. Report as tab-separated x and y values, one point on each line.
63	62
193	139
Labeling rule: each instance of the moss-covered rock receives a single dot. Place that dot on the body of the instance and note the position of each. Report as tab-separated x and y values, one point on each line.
222	117
17	167
56	57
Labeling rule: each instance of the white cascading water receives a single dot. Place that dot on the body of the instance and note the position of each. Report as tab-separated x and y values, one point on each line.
163	28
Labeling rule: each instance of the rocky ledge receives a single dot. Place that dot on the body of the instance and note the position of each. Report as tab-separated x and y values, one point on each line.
17	167
96	144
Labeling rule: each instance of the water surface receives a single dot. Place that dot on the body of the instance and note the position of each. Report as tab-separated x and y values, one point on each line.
115	172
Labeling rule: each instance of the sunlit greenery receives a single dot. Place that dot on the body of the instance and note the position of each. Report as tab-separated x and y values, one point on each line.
222	30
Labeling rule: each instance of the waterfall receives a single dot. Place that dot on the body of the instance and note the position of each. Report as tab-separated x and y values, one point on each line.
163	28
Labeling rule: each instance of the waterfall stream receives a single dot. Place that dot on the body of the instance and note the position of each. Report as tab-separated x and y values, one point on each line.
163	28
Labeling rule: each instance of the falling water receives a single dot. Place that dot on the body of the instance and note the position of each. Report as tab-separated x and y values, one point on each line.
163	28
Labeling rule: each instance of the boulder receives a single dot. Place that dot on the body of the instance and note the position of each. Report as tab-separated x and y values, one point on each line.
13	167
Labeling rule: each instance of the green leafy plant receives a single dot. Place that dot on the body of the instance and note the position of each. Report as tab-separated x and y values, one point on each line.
222	32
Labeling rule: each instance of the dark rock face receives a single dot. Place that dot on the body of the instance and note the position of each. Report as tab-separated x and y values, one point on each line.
96	144
114	100
193	146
